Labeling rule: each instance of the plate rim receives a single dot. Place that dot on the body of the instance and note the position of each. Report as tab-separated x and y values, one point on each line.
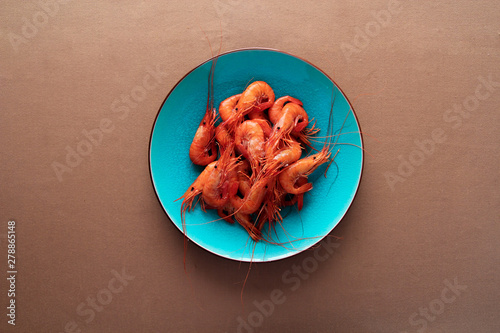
288	54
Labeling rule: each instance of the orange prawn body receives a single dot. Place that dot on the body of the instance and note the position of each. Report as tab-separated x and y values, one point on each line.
203	150
243	173
215	190
293	119
216	187
257	97
275	111
223	137
226	107
252	201
264	124
195	189
302	168
297	115
283	156
250	141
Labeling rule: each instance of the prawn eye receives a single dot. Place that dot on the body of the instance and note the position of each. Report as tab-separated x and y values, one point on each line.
215	166
314	157
279	127
235	109
204	122
192	188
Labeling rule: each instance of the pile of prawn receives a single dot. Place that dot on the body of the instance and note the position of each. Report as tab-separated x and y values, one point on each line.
253	158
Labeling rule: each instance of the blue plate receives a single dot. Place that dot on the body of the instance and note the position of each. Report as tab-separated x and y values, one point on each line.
179	116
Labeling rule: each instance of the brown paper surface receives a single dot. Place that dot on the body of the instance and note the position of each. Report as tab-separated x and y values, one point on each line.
96	253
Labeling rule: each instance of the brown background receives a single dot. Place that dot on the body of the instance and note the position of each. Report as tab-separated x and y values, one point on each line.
398	245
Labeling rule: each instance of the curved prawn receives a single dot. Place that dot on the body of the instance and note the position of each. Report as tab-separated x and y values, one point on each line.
264	124
293	119
216	187
223	137
289	178
203	149
257	97
250	141
285	154
252	200
275	110
195	189
226	106
243	173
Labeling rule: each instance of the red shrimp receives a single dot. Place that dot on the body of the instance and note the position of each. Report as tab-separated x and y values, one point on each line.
195	189
271	206
264	124
203	149
293	119
281	155
250	141
244	172
297	198
242	177
226	212
252	201
299	116
223	137
216	187
226	106
289	177
275	110
257	97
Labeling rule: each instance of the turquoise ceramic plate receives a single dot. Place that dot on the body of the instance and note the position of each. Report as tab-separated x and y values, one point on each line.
178	118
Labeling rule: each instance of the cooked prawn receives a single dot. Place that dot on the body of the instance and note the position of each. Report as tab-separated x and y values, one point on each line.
252	200
264	124
195	189
275	110
302	168
216	187
203	149
257	97
250	141
223	137
226	107
286	153
243	174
